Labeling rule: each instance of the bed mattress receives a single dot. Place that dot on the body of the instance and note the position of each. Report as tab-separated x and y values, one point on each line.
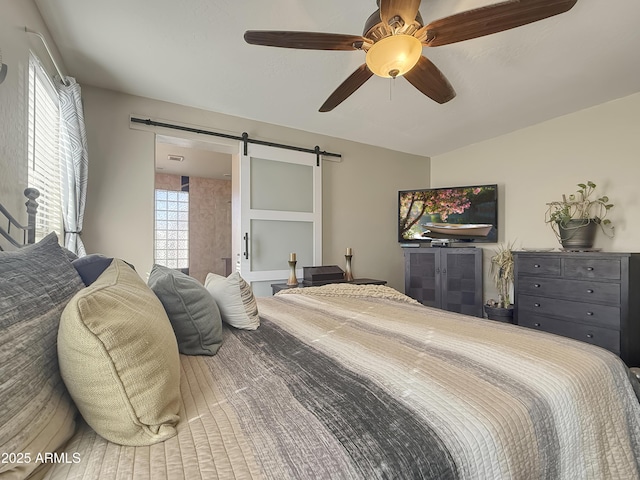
361	382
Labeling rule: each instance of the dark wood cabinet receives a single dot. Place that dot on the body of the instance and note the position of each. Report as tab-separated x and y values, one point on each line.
447	278
588	296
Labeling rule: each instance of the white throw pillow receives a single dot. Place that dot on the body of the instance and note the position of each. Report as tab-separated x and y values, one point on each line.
235	299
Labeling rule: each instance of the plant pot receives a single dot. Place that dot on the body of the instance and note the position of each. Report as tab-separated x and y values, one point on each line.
499	314
578	234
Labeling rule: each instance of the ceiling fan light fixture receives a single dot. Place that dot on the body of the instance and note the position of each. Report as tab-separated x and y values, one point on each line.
394	56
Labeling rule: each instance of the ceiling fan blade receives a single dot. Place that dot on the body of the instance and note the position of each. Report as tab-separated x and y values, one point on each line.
491	19
346	88
405	9
426	77
304	40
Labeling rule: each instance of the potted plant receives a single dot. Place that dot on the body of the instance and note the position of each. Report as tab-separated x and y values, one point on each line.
576	218
502	271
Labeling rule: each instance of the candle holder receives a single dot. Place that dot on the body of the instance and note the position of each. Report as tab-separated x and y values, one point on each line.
348	275
293	280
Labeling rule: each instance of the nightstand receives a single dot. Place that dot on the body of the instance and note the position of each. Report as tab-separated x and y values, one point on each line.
276	287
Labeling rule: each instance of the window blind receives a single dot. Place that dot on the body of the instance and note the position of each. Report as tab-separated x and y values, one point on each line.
44	171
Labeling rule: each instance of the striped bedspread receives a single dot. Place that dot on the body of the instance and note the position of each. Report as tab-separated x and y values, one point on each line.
359	382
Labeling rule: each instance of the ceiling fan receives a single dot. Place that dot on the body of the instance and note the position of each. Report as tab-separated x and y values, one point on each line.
395	34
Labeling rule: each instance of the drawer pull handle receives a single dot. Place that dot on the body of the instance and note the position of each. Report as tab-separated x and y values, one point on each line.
589	335
536	285
536	265
589	290
536	324
590	314
590	269
536	304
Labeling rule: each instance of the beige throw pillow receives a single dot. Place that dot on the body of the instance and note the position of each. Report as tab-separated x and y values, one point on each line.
119	359
235	299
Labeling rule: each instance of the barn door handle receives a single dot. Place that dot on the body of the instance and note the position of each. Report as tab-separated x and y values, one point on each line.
246	246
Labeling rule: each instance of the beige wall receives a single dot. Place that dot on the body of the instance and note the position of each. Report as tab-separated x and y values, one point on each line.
536	165
209	226
360	193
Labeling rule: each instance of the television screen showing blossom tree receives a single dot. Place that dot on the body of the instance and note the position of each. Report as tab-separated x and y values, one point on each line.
468	214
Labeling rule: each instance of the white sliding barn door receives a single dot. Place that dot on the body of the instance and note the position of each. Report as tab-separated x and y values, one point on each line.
280	213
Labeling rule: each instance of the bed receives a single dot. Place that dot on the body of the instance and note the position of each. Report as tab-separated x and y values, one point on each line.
356	382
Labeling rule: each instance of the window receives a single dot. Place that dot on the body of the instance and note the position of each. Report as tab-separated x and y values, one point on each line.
172	229
44	162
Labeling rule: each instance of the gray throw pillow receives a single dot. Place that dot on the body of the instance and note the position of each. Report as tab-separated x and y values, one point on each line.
193	313
90	267
36	412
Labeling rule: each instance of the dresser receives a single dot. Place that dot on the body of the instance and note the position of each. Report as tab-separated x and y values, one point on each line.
449	278
589	296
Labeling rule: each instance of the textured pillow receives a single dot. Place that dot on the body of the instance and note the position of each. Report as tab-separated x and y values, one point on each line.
90	267
235	299
119	359
193	312
36	413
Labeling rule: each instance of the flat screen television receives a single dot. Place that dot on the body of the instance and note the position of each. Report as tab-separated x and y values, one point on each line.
457	214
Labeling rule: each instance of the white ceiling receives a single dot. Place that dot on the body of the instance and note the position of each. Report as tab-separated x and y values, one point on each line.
198	159
192	52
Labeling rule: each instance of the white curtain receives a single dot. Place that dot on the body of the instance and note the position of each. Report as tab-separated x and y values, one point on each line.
74	161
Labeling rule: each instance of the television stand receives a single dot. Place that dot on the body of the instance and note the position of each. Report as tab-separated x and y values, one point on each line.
446	278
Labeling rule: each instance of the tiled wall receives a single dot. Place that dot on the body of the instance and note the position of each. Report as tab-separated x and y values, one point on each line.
209	222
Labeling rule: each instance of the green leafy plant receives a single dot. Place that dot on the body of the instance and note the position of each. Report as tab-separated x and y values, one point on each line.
579	209
502	271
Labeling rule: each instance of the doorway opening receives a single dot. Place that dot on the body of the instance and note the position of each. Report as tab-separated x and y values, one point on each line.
192	228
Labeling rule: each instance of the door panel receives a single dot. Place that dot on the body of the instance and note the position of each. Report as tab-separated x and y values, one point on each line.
280	209
274	240
281	186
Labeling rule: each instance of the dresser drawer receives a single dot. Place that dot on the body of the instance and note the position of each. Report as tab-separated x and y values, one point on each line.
602	337
600	315
533	265
587	291
601	268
